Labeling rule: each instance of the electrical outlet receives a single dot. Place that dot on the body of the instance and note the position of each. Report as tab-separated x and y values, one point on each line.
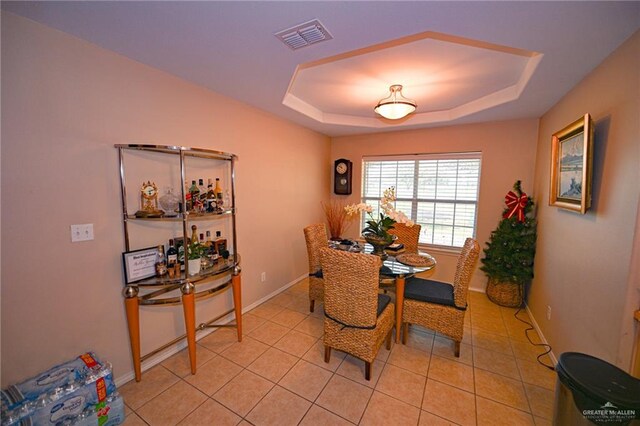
82	232
263	277
548	312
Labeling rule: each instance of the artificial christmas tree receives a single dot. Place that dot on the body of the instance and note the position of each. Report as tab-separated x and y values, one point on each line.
508	258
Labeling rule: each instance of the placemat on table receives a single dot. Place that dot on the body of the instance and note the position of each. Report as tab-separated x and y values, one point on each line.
413	259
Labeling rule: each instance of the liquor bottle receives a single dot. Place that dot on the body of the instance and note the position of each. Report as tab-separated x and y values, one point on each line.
205	262
172	254
220	243
161	262
203	195
212	254
195	195
211	198
218	191
181	256
187	197
194	234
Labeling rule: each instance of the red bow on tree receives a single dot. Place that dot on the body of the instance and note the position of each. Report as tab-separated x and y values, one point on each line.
515	205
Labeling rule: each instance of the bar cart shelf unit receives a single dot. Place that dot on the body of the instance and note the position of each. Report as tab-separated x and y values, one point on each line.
185	289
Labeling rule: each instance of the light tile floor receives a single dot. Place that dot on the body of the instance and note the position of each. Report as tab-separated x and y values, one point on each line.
277	375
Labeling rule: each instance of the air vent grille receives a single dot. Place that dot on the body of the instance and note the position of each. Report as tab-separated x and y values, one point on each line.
305	34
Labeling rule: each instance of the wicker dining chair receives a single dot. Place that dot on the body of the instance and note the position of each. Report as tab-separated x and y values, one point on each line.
441	306
316	238
357	318
407	235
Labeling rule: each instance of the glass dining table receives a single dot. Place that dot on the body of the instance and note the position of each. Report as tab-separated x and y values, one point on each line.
395	272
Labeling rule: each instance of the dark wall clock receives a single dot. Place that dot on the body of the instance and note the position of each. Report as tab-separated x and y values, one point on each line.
342	171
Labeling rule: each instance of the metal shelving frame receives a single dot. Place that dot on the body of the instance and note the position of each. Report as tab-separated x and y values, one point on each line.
185	283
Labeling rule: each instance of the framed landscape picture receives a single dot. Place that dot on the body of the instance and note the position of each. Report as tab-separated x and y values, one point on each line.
571	166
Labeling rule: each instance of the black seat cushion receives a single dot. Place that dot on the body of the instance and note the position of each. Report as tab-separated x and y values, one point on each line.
383	301
430	291
385	270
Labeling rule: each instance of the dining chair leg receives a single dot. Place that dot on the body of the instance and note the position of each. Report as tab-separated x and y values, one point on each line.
327	353
312	304
405	332
367	370
389	339
457	349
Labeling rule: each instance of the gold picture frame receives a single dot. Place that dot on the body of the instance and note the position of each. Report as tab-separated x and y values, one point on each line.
571	166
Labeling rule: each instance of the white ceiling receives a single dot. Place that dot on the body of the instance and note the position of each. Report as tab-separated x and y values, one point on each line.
230	48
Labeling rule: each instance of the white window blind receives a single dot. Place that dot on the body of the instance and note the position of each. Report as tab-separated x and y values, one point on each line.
440	192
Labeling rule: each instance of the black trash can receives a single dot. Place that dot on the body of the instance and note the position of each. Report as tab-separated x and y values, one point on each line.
592	391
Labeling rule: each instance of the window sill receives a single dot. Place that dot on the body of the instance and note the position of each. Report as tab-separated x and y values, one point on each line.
447	251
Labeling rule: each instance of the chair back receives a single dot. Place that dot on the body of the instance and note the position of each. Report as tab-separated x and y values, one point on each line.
351	283
407	235
464	271
316	238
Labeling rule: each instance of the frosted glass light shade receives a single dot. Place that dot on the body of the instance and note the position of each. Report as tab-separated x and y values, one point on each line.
395	106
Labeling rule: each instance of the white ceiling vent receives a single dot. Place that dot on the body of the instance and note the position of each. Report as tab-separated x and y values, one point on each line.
303	35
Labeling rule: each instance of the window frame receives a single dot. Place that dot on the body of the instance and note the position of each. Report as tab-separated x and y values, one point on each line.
474	155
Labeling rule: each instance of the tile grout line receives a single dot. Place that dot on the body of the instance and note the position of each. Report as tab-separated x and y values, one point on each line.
385	363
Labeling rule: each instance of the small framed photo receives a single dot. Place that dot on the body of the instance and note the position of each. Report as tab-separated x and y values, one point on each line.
139	264
571	166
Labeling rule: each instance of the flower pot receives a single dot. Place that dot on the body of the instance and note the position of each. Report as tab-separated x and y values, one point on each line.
508	294
194	266
379	243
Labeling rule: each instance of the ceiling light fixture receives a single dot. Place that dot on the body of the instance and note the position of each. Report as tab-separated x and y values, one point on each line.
395	106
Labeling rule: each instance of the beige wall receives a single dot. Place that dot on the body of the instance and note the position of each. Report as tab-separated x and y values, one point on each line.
508	154
583	262
65	103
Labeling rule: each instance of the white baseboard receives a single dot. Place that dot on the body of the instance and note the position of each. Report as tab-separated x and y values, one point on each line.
157	359
542	338
533	323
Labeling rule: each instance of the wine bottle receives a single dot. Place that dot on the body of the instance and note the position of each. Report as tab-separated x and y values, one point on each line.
172	254
194	234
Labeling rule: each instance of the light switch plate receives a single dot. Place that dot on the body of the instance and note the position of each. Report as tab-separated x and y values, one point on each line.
82	232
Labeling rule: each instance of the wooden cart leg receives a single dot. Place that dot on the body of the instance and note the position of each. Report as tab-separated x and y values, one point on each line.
237	300
399	303
189	308
133	319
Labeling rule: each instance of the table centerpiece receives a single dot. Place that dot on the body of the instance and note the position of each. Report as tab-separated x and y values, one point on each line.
376	232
